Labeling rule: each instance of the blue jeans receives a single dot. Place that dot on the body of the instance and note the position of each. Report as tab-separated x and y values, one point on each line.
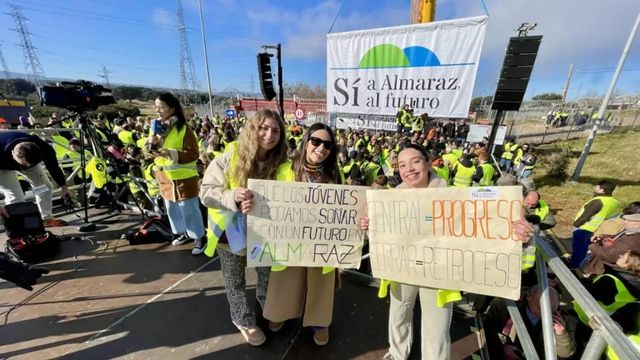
184	216
580	246
526	173
505	164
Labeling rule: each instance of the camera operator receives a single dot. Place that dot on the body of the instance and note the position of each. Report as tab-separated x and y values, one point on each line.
15	271
20	152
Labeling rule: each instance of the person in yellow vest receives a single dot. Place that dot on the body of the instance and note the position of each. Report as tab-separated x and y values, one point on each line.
484	171
126	135
442	169
176	151
450	159
257	154
628	317
537	207
526	163
418	124
400	117
509	150
503	341
537	211
601	207
306	292
436	304
462	173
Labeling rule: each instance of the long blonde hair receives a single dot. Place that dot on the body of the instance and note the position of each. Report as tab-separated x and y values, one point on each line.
246	165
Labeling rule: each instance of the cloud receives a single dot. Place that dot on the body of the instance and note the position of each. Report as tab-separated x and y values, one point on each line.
163	18
589	33
305	30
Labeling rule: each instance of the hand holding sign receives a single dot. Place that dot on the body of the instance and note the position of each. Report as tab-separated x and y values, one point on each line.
449	238
301	224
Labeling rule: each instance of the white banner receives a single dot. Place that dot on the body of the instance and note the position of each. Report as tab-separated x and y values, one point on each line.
478	132
373	122
430	67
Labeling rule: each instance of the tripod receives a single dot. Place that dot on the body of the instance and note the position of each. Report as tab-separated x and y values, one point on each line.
87	132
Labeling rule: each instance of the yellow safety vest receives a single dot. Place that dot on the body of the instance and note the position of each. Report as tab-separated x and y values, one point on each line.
529	252
463	175
102	136
509	150
126	136
60	145
442	171
519	154
219	219
623	297
75	158
152	184
443	297
173	170
141	143
635	340
418	124
610	208
98	170
542	210
487	174
451	158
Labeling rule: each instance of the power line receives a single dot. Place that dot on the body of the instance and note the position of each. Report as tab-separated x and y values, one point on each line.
188	81
105	76
32	63
5	68
99	17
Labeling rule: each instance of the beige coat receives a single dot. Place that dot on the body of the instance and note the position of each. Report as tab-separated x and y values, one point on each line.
214	191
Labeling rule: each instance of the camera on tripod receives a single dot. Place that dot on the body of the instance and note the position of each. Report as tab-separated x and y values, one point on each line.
76	96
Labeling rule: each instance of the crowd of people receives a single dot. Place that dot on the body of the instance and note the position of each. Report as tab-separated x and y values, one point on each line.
199	167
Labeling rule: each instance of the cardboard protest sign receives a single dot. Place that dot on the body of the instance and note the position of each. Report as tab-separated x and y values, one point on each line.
447	238
305	224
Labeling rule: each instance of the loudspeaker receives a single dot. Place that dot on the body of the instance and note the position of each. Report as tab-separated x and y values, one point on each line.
516	70
266	77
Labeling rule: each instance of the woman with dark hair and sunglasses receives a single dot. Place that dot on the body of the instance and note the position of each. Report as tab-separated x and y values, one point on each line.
306	291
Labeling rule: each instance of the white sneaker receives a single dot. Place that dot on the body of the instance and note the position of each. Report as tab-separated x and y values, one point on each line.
253	335
180	239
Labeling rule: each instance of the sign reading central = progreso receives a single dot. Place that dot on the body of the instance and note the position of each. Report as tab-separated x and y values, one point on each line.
447	238
430	67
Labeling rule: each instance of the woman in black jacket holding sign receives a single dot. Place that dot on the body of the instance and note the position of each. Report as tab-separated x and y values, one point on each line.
306	291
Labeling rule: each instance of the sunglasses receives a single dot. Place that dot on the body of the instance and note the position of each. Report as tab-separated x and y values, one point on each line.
316	142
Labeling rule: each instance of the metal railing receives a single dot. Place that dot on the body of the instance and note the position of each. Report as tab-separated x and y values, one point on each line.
605	330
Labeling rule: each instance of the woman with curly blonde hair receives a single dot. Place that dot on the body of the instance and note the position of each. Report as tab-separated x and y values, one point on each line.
257	154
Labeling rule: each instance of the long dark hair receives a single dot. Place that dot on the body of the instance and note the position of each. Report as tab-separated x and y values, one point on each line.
174	103
329	166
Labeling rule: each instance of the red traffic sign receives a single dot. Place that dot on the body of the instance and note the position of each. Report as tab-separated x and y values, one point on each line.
299	114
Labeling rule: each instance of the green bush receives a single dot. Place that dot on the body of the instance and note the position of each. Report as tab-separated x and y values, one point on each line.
558	164
111	111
